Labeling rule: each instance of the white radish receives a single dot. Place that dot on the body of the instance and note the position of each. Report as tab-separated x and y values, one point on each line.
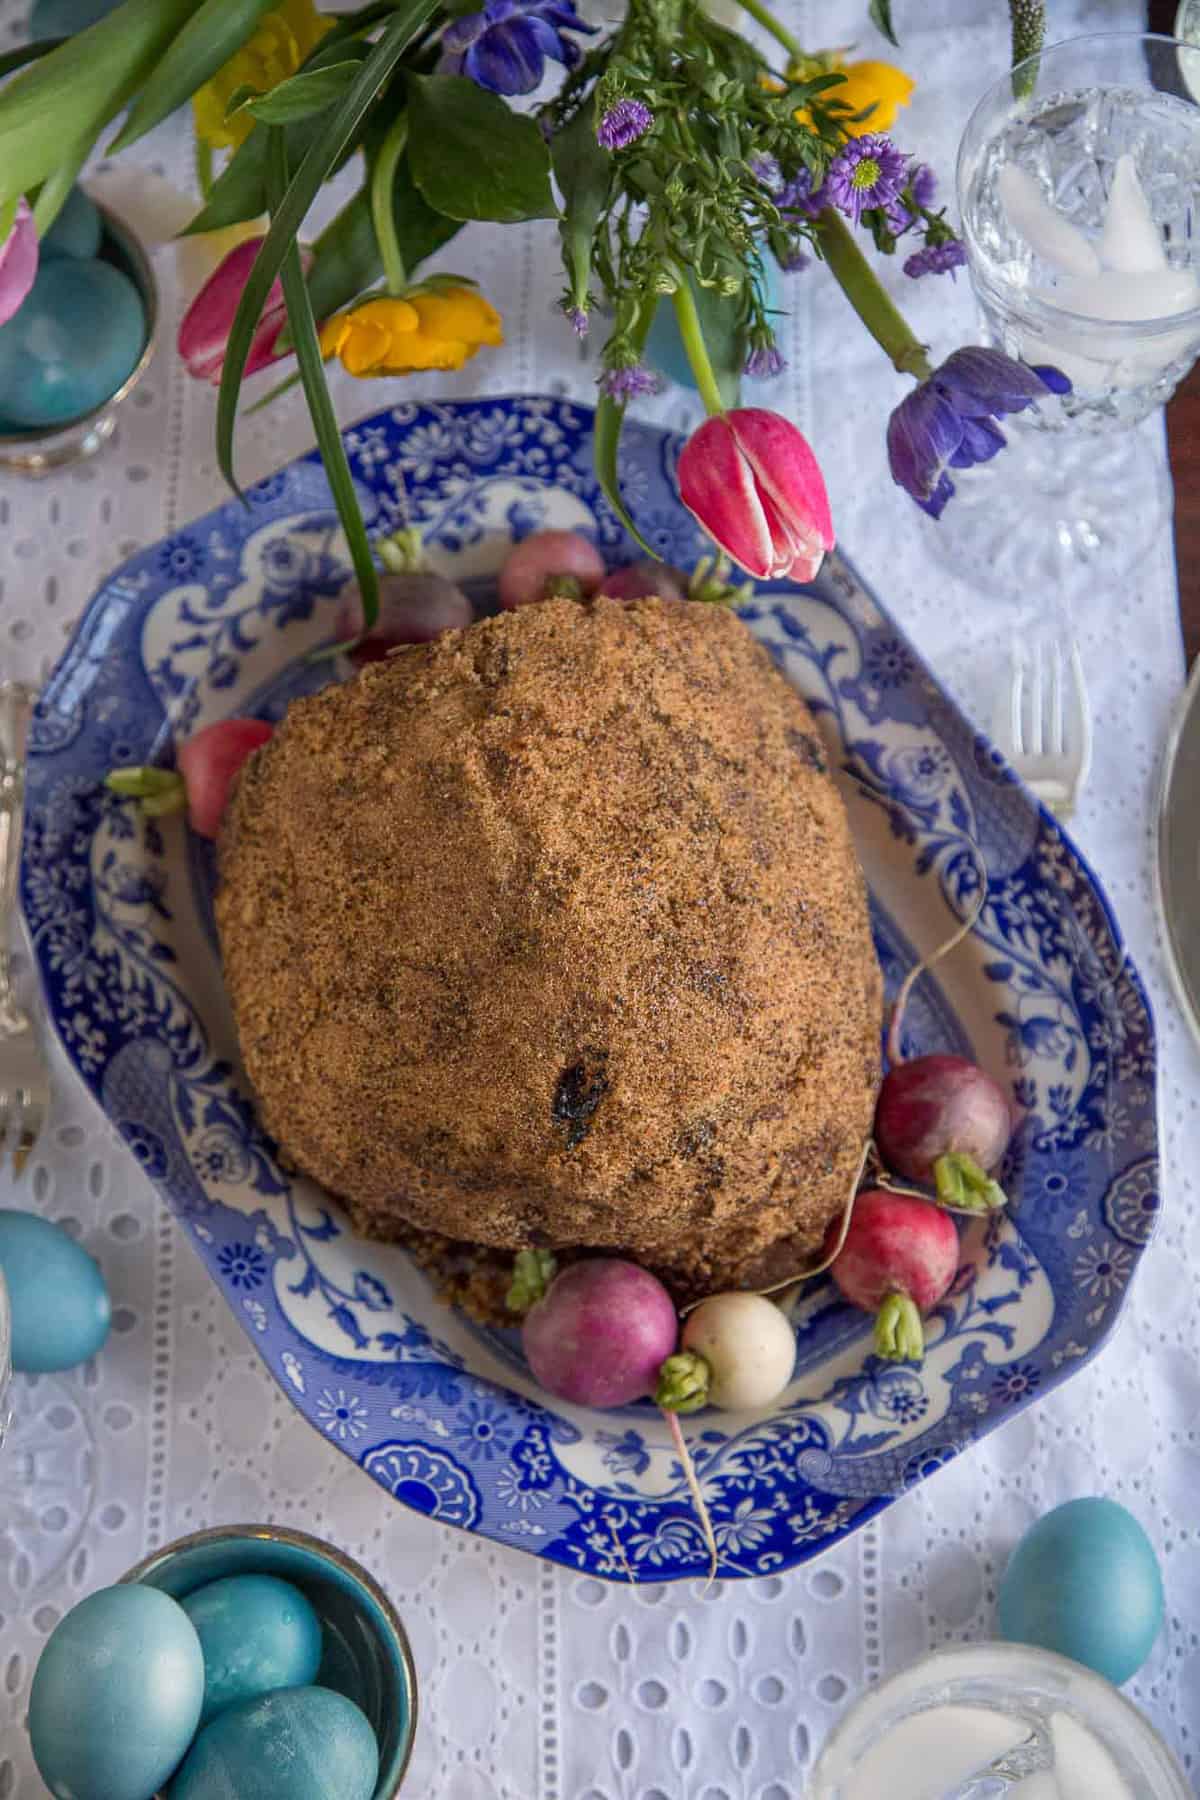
747	1346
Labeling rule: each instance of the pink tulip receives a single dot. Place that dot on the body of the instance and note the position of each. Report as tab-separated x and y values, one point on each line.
204	331
18	261
754	484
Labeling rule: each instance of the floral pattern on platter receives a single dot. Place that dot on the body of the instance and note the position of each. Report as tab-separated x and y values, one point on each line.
443	1414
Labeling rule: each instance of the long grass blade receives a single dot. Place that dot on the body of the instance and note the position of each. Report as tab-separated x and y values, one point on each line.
289	216
316	392
211	36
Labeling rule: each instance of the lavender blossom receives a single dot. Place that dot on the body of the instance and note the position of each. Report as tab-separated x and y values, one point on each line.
923	183
867	172
764	361
630	383
946	422
624	122
936	259
801	197
580	323
795	261
766	172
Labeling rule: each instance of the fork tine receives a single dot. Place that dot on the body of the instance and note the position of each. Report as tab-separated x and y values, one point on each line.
1037	713
1058	733
5	1116
16	1127
34	1114
1016	698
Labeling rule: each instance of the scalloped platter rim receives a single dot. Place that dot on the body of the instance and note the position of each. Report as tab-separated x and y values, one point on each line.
218	619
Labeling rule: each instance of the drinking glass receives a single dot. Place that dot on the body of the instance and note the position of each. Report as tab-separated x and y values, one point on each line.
1101	285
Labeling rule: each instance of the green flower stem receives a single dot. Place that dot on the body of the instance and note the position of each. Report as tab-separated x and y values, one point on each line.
383	213
204	166
697	350
160	791
862	287
766	18
899	1334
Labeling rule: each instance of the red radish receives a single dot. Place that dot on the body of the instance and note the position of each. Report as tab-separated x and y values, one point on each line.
547	564
206	766
413	608
601	1333
940	1119
638	580
899	1259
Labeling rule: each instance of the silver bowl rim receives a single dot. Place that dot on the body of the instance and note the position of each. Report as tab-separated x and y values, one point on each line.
118	228
303	1540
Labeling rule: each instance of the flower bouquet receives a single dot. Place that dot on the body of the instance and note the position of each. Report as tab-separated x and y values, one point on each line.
679	158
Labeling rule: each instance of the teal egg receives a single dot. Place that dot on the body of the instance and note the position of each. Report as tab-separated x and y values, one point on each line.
75	339
60	1307
76	231
1085	1581
664	346
257	1634
59	18
303	1744
116	1696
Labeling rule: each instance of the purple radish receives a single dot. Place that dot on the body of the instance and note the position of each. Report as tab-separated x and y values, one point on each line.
899	1259
413	608
941	1120
548	565
642	580
601	1333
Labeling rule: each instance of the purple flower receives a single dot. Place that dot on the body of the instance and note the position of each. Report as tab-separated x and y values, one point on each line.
936	259
764	361
629	383
866	172
623	124
946	422
766	172
505	46
795	261
579	320
923	183
800	196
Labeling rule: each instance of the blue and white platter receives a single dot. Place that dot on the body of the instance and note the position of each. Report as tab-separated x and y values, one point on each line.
220	619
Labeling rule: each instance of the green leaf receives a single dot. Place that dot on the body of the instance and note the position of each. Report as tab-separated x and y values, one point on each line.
215	31
69	95
8	216
880	12
341	127
584	173
472	157
316	391
13	60
313	91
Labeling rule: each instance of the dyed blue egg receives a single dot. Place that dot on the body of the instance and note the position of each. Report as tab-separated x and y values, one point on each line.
116	1696
59	18
67	349
1085	1581
303	1744
60	1306
76	231
257	1634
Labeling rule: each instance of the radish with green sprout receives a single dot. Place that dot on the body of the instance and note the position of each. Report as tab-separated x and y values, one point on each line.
600	1332
205	768
899	1258
737	1352
942	1120
549	565
641	580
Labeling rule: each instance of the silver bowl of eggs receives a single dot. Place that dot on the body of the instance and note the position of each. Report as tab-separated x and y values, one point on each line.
248	1659
79	343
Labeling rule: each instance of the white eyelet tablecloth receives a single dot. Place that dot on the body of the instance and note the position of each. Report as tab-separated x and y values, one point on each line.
534	1681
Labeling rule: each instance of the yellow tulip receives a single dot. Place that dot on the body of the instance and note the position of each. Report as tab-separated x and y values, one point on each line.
440	330
278	46
877	85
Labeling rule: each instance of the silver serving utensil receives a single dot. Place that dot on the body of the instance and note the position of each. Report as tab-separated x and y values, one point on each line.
1044	723
24	1078
1032	1756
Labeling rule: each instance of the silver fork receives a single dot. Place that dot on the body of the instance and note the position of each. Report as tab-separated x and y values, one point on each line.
1044	723
24	1077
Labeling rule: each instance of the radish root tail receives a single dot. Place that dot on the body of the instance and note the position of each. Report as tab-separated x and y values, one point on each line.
698	1501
